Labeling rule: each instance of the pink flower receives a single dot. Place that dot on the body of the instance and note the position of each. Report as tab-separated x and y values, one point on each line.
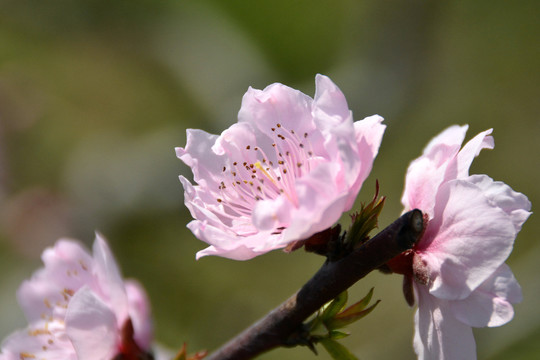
288	169
79	308
457	268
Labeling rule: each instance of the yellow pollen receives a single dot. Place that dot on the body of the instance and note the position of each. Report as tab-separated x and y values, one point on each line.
265	173
37	332
25	355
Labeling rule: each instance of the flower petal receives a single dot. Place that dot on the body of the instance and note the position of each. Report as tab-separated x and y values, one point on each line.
67	267
491	303
469	237
197	155
330	106
438	335
515	204
425	174
111	284
92	327
139	313
320	203
277	104
471	150
368	134
30	344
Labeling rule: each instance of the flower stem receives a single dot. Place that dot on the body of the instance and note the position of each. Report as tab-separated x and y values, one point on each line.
331	279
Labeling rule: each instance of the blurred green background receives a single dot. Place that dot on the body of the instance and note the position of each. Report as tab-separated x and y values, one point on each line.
95	95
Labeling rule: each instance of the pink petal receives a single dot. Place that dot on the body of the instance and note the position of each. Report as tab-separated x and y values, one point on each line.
330	105
277	104
139	312
515	204
39	345
92	327
425	174
320	203
438	335
197	155
233	143
204	205
272	214
240	252
230	246
491	303
110	282
471	150
469	237
368	134
67	267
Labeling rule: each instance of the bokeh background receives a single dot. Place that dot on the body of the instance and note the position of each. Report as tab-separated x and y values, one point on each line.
95	95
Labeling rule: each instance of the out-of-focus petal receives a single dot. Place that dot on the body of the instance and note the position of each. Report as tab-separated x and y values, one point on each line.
91	327
67	266
110	280
81	304
36	345
139	313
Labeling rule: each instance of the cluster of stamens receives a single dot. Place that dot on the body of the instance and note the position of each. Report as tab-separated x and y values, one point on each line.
246	182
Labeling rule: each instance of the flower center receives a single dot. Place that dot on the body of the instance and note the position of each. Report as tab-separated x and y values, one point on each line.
272	174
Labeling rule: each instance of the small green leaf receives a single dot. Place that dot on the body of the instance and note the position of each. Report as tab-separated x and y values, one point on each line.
335	306
365	220
341	321
336	350
359	306
336	334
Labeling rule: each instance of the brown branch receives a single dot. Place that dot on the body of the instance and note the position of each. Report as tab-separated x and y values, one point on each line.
332	279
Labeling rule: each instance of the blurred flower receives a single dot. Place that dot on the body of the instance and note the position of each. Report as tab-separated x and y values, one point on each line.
457	268
288	169
79	308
